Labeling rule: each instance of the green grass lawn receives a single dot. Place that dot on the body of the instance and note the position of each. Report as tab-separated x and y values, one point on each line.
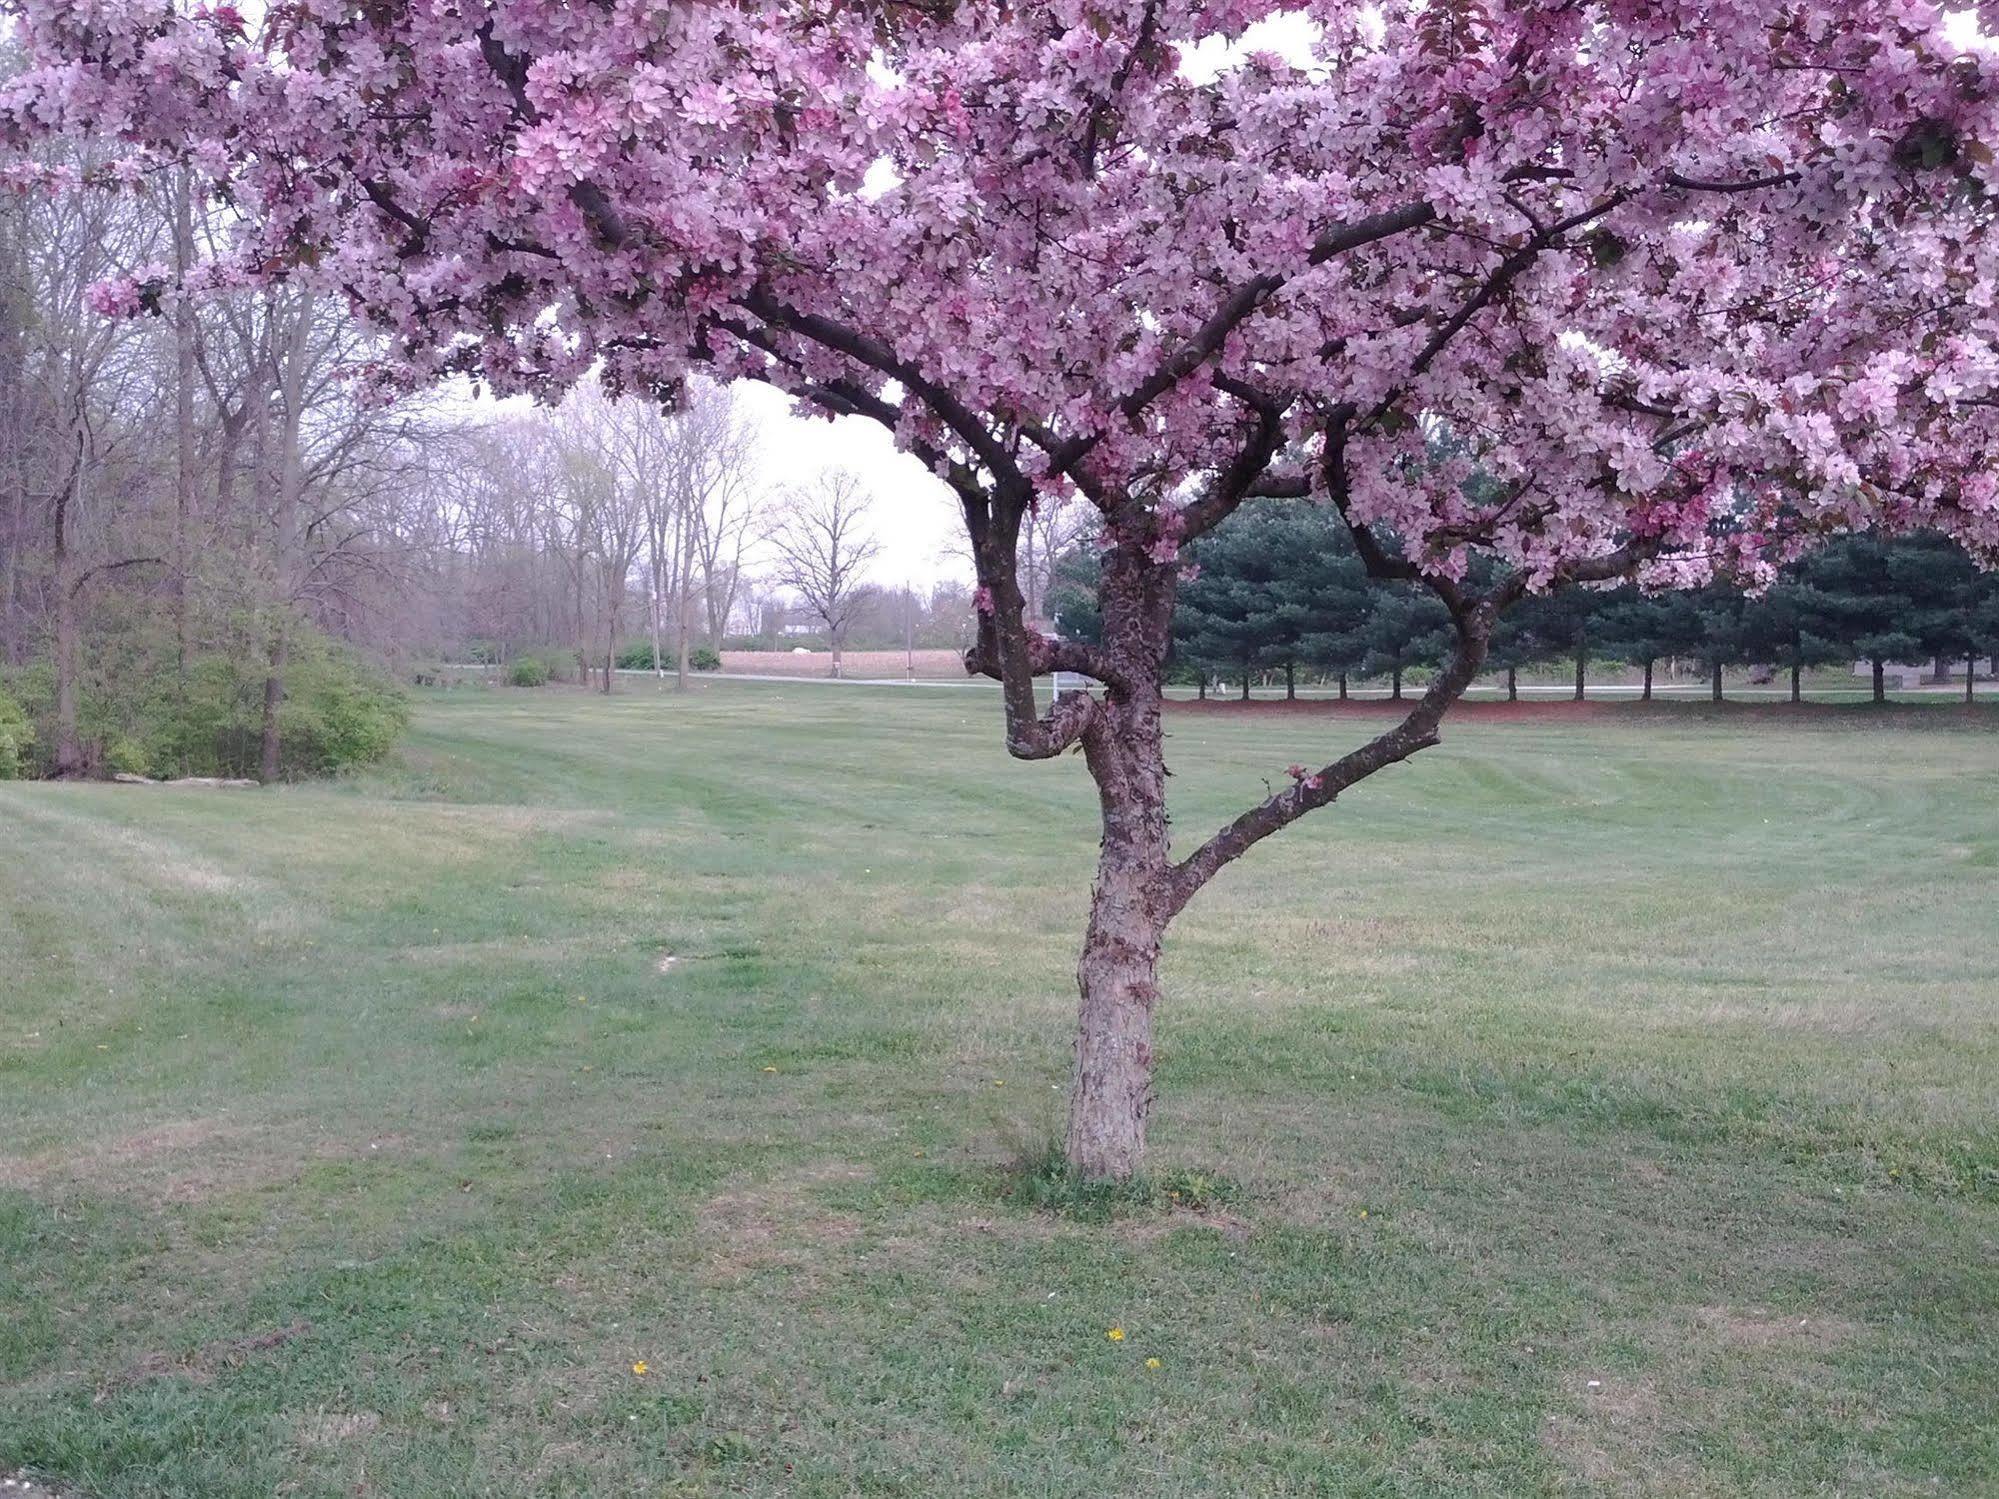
1606	1106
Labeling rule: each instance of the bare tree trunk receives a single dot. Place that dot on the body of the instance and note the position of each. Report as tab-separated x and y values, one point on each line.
1880	680
1343	686
1290	681
291	481
1647	695
658	622
184	450
1513	684
10	578
682	598
1582	671
834	636
1715	685
274	697
69	741
1395	683
1970	679
1797	679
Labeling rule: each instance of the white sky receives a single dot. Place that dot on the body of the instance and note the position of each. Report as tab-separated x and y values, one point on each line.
915	517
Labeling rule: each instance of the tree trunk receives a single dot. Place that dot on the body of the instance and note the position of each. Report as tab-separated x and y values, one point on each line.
1880	680
1582	670
184	454
1513	684
1715	686
1201	691
1343	686
1797	680
836	654
1290	682
1395	683
286	570
1117	976
1970	679
274	697
682	597
1111	1092
1245	684
69	742
1646	695
658	624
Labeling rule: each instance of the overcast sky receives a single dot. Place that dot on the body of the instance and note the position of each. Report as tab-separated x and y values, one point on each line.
915	518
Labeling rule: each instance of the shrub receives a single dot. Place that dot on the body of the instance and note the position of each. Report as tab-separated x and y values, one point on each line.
528	671
339	713
17	739
125	756
639	658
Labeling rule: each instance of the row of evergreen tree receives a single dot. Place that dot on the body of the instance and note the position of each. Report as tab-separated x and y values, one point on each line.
1280	592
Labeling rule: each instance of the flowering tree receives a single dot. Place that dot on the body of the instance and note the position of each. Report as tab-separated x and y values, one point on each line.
1591	287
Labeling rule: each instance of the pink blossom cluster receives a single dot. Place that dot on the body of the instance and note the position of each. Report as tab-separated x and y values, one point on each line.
1544	278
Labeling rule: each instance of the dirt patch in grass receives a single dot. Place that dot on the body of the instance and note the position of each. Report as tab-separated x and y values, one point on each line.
776	1223
1617	1441
1143	1231
207	1361
1758	1327
116	1159
331	1428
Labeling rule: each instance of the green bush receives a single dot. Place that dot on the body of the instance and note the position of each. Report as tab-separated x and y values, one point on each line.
339	713
126	756
528	671
17	739
639	658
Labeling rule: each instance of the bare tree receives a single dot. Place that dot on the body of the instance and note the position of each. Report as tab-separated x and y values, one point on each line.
824	549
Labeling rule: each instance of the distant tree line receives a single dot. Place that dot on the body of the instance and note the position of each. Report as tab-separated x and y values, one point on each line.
1278	593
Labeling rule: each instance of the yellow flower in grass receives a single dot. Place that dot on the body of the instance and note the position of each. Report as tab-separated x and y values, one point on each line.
1152	1363
1116	1334
640	1369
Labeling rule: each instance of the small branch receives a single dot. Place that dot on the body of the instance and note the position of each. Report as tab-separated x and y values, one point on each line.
112	567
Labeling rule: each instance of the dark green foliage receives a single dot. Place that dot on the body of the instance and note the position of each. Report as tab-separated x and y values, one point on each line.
701	658
1280	589
1072	595
528	671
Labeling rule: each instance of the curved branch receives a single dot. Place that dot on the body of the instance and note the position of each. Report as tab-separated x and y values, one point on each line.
1415	733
